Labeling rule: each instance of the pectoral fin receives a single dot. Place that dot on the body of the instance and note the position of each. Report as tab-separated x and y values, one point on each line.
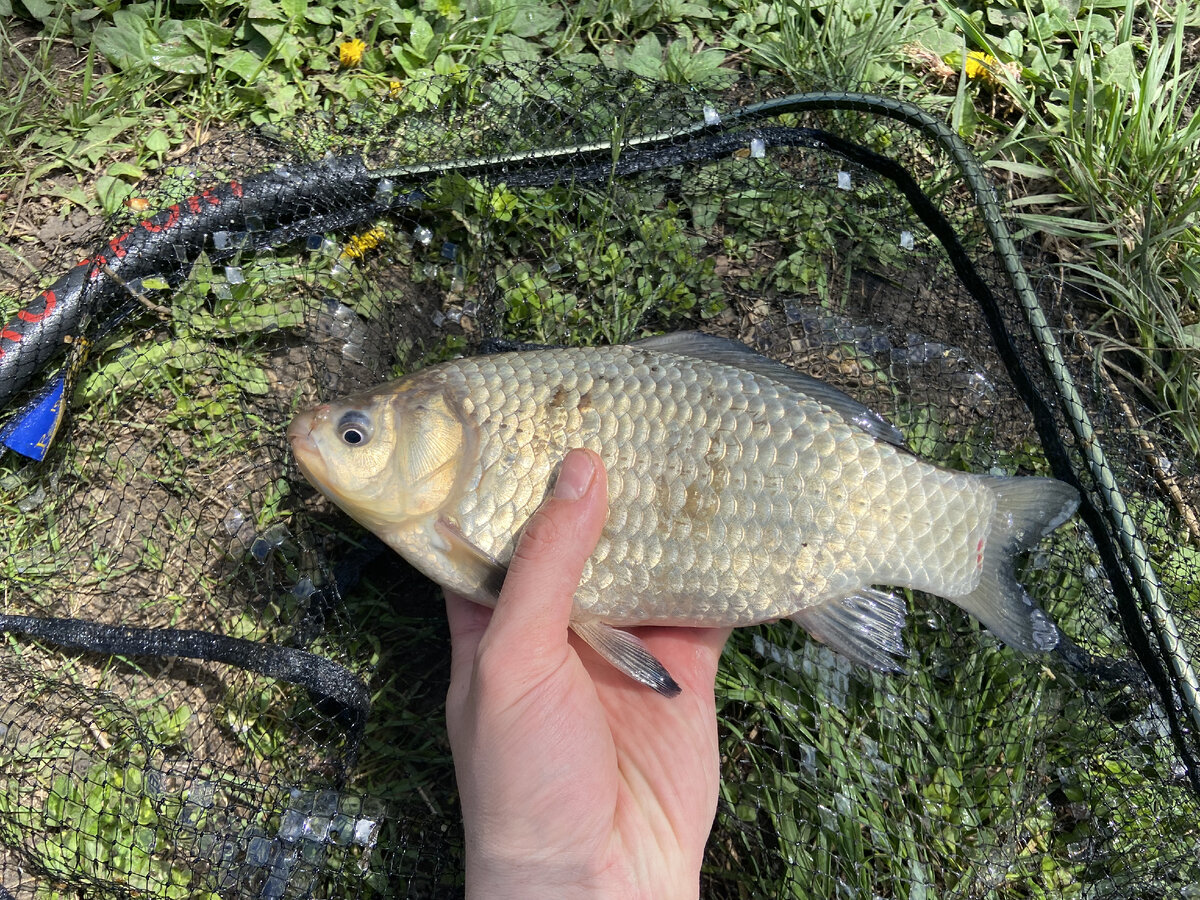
628	654
865	627
620	648
478	567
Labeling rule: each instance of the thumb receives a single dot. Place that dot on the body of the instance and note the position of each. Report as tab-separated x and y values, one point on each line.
533	613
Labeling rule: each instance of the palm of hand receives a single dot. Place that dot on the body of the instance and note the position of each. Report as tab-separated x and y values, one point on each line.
582	777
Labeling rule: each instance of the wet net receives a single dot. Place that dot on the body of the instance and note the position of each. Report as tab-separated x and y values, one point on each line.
216	685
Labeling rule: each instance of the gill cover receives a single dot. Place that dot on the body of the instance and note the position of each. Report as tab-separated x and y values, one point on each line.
429	445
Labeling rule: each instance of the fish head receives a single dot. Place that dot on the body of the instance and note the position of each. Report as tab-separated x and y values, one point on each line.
388	456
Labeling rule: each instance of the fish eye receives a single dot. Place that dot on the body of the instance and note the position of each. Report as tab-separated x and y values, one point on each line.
354	429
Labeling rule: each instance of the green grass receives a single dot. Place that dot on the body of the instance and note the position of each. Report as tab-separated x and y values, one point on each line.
858	794
1110	141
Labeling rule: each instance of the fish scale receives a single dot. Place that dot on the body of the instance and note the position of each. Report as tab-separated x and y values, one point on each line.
760	446
739	492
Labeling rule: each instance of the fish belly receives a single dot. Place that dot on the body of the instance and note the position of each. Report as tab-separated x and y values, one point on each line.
732	499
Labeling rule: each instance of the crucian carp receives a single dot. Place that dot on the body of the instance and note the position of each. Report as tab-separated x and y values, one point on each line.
740	492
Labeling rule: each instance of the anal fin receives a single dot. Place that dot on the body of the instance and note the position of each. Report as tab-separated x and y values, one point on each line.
866	628
628	654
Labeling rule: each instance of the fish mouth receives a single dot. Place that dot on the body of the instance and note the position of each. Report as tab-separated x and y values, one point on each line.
300	436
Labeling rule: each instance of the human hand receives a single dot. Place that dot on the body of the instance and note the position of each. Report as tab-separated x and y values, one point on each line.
575	780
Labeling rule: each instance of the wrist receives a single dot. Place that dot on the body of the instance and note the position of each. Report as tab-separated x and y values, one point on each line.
542	879
527	882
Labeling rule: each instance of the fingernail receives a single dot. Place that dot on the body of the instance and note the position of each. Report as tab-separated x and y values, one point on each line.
575	475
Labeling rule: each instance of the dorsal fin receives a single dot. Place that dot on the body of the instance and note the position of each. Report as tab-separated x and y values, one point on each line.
732	353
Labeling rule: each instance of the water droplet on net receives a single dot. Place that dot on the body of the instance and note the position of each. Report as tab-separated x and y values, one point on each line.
202	793
269	540
354	352
325	803
274	888
829	819
335	319
843	181
423	235
1045	632
341	830
258	851
316	828
32	501
919	351
291	825
276	534
845	806
807	757
304	588
364	832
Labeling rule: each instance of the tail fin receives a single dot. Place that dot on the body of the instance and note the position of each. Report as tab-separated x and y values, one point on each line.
1026	509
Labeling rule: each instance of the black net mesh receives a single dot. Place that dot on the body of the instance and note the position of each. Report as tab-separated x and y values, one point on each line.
570	206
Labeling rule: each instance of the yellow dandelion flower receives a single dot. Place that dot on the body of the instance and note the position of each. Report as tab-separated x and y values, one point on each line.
359	244
981	65
395	88
350	53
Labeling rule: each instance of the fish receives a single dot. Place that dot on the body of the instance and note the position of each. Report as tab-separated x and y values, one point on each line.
740	492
